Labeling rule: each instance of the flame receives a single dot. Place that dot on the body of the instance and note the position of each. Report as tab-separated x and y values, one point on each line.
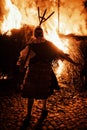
72	15
52	35
13	18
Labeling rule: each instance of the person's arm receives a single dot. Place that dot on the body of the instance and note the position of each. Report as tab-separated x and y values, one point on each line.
23	58
66	57
63	56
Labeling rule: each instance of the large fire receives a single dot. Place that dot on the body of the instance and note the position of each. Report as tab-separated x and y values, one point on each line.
16	13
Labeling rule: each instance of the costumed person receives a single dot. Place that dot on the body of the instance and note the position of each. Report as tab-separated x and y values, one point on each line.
40	80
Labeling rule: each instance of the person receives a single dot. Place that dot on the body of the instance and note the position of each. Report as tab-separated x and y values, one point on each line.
40	80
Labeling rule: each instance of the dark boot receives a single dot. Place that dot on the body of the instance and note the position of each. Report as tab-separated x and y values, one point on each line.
26	123
44	114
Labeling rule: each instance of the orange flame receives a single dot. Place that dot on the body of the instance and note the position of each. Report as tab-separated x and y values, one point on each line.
13	19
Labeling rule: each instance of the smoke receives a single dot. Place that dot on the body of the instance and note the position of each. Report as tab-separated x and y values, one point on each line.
72	14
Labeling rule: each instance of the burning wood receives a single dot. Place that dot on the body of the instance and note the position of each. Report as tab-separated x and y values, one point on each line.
10	47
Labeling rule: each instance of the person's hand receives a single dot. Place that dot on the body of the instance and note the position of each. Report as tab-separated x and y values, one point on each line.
66	54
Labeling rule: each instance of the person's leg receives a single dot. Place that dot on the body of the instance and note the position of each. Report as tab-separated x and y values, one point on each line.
26	121
44	110
30	104
44	104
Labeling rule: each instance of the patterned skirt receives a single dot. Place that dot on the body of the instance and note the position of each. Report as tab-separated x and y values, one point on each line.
38	83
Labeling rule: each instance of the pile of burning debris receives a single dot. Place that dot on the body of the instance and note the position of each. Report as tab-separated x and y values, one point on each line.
10	47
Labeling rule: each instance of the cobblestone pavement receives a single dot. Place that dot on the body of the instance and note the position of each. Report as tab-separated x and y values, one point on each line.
67	110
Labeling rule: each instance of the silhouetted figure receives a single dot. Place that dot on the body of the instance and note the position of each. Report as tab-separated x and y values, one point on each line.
40	80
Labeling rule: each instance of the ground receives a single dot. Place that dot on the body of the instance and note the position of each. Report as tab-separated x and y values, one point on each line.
67	110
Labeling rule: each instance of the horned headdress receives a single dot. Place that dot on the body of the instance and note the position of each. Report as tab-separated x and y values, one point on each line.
42	18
